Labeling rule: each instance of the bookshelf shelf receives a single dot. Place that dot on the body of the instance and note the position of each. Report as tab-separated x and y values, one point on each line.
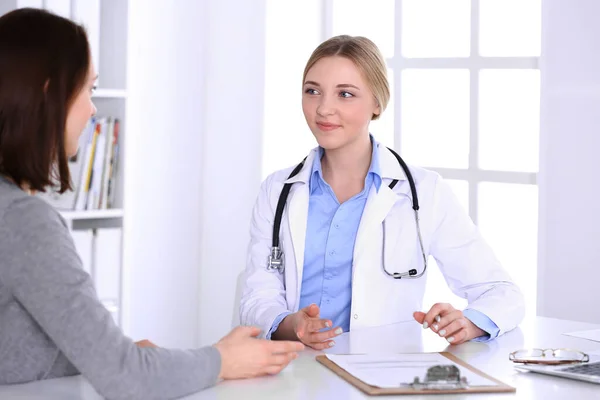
110	94
93	214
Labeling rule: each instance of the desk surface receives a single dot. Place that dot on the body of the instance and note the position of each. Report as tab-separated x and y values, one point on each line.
306	379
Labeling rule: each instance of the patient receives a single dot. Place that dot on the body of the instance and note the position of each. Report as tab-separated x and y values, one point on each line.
51	321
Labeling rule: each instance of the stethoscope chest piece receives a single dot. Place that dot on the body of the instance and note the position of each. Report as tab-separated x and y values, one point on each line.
276	260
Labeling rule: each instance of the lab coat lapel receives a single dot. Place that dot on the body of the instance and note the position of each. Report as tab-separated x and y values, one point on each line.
380	203
376	209
298	219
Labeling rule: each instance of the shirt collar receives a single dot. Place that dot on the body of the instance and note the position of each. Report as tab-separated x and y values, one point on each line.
316	176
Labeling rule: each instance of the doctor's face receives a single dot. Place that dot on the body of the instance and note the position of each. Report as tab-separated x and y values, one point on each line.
337	102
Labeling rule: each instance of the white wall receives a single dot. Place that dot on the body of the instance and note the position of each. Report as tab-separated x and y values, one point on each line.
194	134
163	135
569	178
231	161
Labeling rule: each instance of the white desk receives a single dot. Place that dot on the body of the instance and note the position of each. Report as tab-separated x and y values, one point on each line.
306	379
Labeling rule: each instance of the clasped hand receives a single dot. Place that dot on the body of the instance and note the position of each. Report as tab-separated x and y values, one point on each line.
449	323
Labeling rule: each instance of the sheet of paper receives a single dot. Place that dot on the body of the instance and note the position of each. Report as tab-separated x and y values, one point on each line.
593	334
393	370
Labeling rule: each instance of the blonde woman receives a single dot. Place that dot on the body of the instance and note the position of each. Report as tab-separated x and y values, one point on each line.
347	247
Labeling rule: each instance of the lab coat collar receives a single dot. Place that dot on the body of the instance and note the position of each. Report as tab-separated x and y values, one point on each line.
390	167
388	164
304	174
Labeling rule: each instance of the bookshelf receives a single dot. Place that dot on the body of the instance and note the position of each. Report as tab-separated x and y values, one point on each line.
98	231
110	94
110	213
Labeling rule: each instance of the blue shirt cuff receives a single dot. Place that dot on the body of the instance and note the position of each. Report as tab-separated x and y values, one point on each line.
484	323
276	323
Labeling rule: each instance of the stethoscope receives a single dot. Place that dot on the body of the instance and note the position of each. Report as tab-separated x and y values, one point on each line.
276	261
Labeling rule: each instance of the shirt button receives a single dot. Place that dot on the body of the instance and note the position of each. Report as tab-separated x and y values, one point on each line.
355	316
332	252
337	226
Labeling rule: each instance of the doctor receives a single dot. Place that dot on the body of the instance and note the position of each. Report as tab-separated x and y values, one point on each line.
354	247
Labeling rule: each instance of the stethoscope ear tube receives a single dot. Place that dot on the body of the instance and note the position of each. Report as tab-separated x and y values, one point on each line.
412	273
409	177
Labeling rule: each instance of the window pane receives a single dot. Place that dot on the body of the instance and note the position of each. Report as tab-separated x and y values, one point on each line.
292	33
373	19
510	28
383	128
509	113
436	28
508	218
435	117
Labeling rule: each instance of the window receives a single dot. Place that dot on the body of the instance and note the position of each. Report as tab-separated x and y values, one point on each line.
465	103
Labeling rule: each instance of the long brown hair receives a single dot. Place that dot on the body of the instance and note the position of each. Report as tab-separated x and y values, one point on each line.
44	61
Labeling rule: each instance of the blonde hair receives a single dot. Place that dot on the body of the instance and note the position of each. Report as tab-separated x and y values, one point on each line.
367	58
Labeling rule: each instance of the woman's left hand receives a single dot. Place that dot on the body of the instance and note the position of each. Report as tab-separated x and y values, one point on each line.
449	323
145	343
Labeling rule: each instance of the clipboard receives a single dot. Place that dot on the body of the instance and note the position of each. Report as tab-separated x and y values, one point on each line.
377	391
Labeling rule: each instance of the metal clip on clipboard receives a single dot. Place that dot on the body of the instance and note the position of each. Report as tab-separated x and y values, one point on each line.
440	377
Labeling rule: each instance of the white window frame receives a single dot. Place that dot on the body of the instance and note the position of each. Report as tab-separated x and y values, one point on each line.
473	175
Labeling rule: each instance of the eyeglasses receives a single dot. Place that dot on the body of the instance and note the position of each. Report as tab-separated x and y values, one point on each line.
548	356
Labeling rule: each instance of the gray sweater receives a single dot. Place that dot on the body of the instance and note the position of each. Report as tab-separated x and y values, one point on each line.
53	325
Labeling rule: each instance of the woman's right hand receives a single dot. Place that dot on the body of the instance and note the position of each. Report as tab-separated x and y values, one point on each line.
245	356
307	326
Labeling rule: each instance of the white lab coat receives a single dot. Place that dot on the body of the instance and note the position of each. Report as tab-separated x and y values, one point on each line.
465	259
